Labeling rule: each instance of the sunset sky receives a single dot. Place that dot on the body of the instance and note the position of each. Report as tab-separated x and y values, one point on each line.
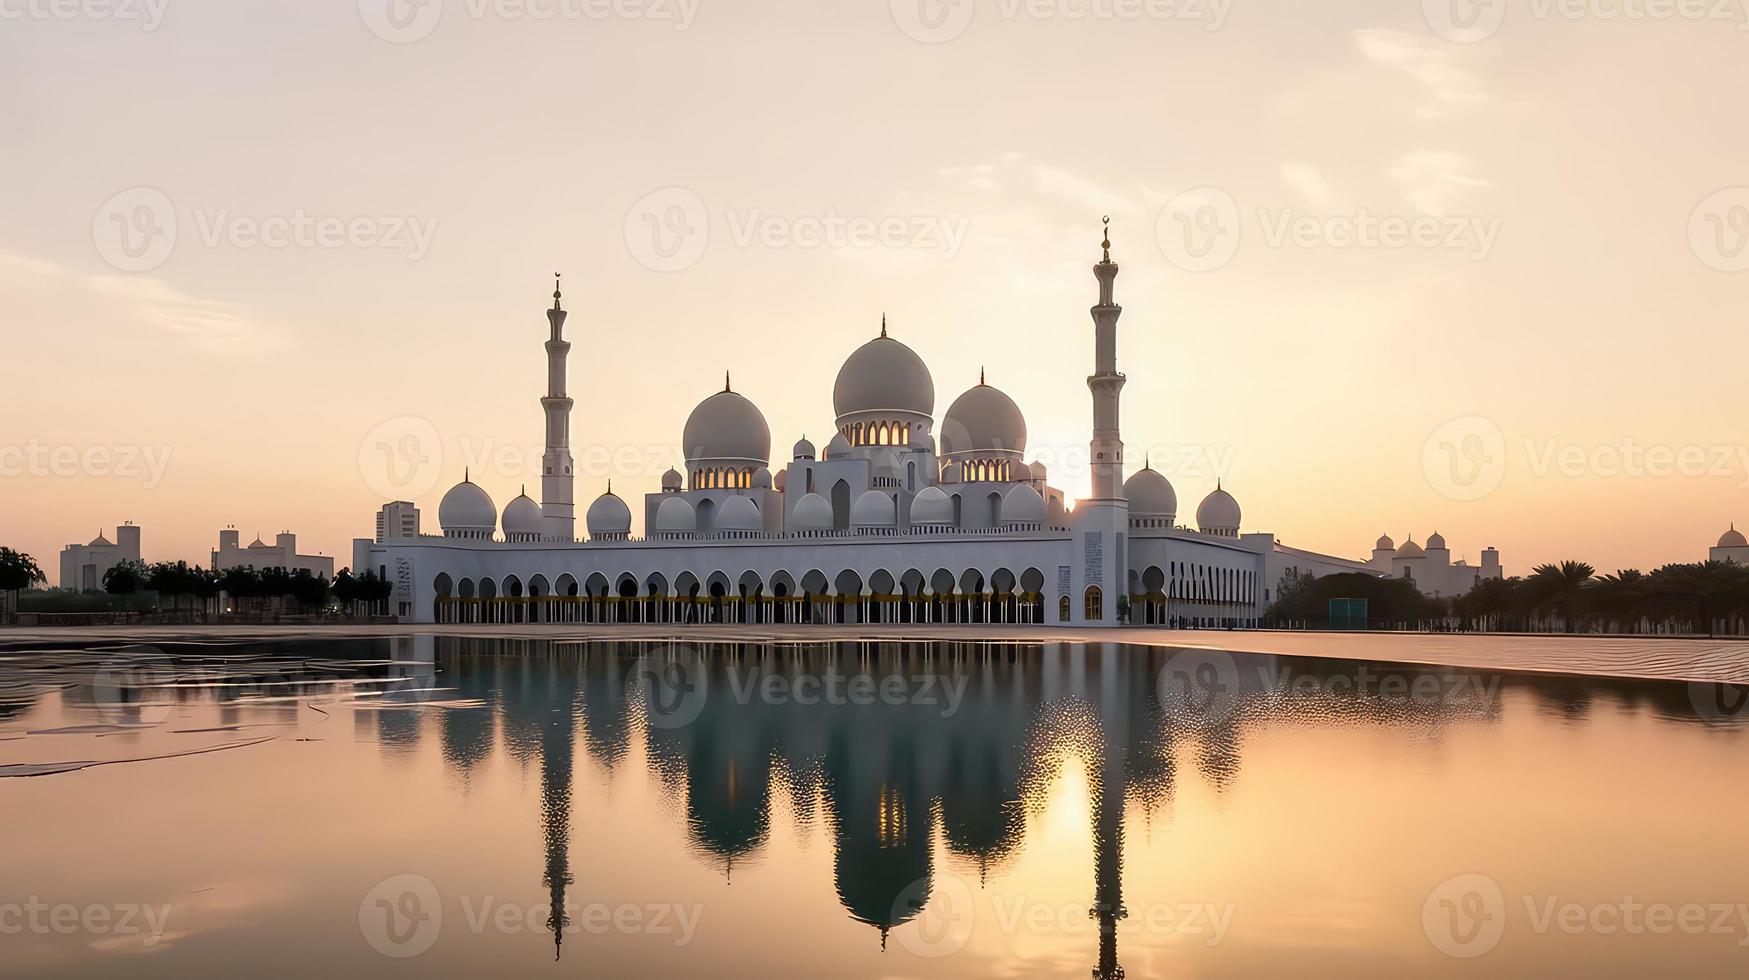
1558	332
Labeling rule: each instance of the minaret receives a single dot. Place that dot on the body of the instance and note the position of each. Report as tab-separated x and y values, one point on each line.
557	504
1106	383
1099	561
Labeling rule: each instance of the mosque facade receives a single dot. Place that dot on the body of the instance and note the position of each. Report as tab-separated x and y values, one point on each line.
894	520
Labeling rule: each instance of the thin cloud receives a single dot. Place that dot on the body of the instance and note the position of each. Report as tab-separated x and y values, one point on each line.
1430	63
1433	180
209	325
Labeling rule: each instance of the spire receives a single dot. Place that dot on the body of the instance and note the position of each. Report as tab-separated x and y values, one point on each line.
980	377
883	325
467	475
610	486
726	386
1107	243
556	294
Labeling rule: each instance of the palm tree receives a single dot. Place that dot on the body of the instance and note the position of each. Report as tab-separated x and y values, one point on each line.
1620	600
1557	588
18	571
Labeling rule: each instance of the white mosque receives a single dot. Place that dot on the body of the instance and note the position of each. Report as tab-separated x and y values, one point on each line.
896	520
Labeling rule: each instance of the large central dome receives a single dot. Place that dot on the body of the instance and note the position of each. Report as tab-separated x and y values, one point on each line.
884	376
728	428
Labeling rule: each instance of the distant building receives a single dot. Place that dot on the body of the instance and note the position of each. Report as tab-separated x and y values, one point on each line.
1431	567
260	555
84	565
398	521
1731	547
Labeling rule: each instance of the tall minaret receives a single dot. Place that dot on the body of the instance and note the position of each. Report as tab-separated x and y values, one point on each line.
1099	563
1106	383
557	505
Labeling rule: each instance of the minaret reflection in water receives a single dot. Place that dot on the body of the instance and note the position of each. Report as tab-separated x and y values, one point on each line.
884	770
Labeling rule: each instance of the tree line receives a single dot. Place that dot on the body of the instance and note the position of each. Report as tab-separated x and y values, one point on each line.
1563	597
180	587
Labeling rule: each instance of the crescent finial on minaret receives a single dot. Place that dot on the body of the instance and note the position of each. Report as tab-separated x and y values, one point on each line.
1107	243
556	294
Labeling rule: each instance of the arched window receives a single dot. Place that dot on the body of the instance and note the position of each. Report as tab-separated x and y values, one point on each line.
1063	609
1094	607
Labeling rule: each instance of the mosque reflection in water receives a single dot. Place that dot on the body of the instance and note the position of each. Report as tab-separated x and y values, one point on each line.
884	769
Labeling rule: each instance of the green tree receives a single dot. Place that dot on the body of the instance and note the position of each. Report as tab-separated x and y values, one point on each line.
125	578
18	571
1556	589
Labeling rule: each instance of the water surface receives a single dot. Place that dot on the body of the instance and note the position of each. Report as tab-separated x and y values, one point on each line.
419	805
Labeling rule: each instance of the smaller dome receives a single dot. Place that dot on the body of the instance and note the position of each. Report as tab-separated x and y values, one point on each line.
676	516
1038	471
1219	512
1436	542
779	481
726	426
762	478
838	448
804	449
872	509
739	514
1411	550
1022	505
1384	543
812	513
608	516
466	507
672	480
1151	494
1733	539
522	518
981	421
100	542
932	506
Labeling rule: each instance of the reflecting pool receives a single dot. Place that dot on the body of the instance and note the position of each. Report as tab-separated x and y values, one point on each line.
448	806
